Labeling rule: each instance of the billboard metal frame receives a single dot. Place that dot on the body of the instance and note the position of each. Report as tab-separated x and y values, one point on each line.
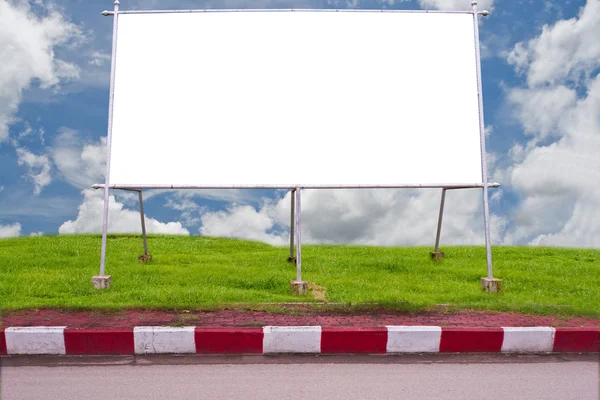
296	190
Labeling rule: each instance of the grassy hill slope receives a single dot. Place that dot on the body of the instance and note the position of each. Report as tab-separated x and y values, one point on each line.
202	272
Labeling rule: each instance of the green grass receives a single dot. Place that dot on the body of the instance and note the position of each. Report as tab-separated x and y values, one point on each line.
203	273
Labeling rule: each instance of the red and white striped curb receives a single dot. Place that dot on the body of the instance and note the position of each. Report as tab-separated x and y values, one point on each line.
295	339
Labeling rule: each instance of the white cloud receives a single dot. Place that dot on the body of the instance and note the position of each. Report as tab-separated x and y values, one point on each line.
556	181
241	222
27	44
16	201
373	217
120	220
99	59
39	168
66	70
455	4
190	211
568	49
36	234
540	109
354	3
10	230
393	217
25	132
555	172
81	164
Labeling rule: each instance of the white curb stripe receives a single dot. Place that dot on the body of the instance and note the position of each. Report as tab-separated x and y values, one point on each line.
292	339
157	339
413	339
525	340
35	340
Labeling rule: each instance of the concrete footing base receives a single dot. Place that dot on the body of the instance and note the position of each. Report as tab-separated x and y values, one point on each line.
101	281
144	258
437	255
491	285
299	288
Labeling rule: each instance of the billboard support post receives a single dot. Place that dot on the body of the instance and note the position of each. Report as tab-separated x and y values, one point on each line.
437	255
298	286
291	258
102	281
488	283
144	257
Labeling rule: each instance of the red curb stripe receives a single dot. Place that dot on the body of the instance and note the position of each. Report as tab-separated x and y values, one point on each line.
3	350
229	340
99	341
467	340
353	340
576	340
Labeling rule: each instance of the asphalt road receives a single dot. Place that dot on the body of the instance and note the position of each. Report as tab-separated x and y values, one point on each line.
446	380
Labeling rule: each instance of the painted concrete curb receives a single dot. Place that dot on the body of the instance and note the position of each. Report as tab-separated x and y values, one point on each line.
295	339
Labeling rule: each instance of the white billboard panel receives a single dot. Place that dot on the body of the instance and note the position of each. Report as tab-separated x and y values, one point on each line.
224	99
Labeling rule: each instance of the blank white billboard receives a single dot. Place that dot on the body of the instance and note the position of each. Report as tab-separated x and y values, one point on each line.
295	98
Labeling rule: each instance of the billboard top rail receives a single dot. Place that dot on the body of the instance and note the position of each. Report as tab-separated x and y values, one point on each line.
234	10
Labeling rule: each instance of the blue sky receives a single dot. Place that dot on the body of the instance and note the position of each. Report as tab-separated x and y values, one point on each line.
542	112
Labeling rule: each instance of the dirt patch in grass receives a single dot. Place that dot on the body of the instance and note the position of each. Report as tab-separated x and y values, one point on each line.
145	258
318	292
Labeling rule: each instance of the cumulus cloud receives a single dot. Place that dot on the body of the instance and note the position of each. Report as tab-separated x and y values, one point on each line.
27	44
120	220
190	211
38	166
555	172
556	181
350	3
393	217
568	49
79	163
381	217
455	4
99	59
540	110
82	164
241	222
10	230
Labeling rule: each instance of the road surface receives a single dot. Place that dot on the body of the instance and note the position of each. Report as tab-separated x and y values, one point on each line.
285	381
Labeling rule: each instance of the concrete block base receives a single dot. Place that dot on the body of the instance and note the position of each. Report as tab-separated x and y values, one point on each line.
101	281
491	285
437	255
145	258
299	288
